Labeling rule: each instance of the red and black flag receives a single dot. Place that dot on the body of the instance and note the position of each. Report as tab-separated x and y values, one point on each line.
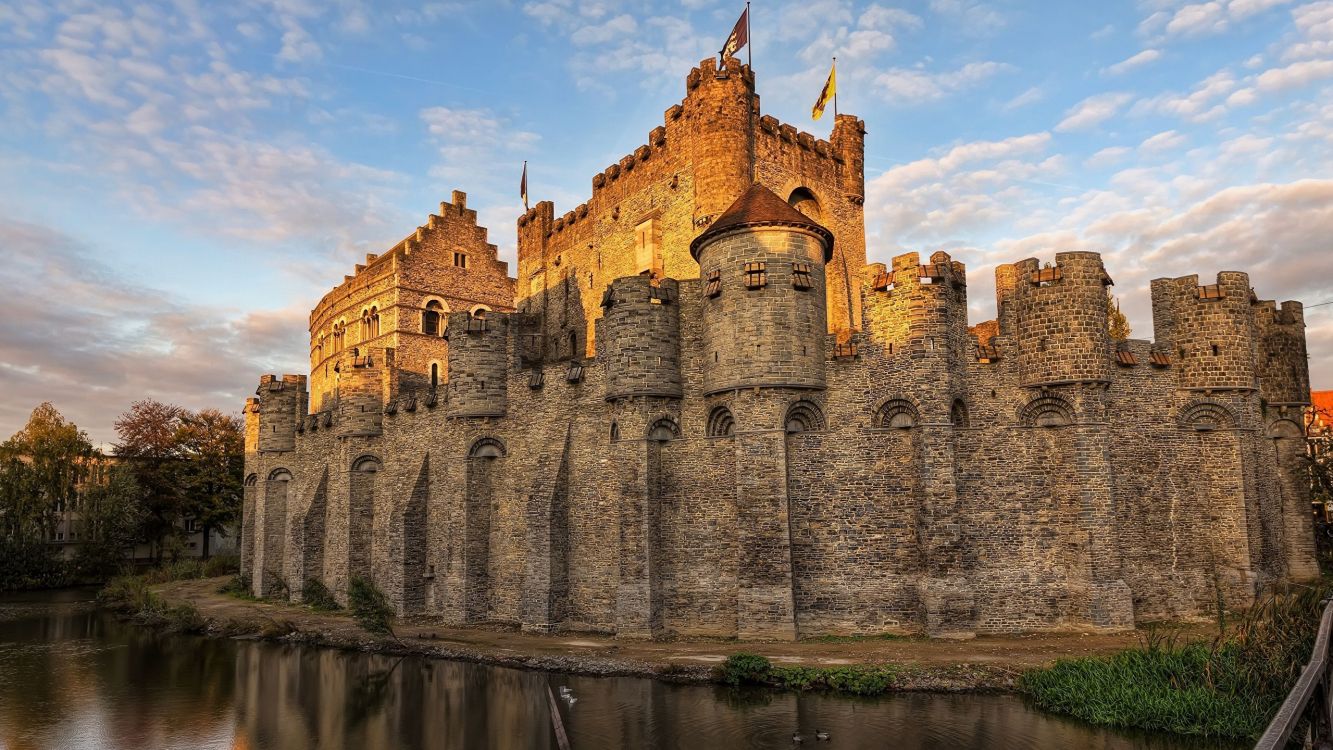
740	35
523	186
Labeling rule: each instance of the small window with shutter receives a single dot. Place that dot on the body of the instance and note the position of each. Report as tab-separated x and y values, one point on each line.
800	276
714	283
756	275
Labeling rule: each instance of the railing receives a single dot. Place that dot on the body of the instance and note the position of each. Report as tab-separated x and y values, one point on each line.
1310	700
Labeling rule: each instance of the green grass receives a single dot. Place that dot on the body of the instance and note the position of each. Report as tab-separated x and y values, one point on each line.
752	669
1227	688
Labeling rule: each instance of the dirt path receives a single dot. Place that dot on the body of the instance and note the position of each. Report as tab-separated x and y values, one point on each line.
986	662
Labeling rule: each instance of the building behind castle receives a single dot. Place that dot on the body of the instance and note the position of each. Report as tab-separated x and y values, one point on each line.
698	411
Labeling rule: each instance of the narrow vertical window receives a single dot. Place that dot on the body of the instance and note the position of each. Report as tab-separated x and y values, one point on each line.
431	318
434	375
460	259
756	275
800	276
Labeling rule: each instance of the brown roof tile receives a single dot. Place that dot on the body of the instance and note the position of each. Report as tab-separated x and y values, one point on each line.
760	207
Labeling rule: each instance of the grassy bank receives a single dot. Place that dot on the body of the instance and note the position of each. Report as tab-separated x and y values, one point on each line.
746	668
131	594
1227	688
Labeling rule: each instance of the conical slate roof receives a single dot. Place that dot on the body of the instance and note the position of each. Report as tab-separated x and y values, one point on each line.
760	207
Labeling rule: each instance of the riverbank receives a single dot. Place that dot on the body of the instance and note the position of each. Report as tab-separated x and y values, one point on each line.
986	663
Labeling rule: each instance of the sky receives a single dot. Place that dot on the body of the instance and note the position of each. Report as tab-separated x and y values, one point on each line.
181	181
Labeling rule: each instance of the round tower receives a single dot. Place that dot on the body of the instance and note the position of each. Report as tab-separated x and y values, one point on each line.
280	406
478	364
762	266
1210	329
640	330
1058	317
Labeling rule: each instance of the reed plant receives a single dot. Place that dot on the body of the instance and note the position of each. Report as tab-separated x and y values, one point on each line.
1228	688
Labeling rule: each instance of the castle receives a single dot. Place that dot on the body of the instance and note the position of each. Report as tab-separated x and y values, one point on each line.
698	411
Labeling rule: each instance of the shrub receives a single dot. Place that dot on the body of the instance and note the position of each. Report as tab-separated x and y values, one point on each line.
126	592
31	565
237	587
185	618
221	565
745	668
316	595
277	587
861	680
369	606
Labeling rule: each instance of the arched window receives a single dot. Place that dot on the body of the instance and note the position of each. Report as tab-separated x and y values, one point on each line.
365	325
897	413
615	431
803	416
664	430
367	464
480	311
434	375
1047	411
432	318
487	448
252	480
721	423
573	344
803	200
1206	415
338	330
280	475
374	322
958	414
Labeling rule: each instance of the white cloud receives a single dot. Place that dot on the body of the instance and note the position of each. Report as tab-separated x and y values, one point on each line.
620	27
1203	19
1107	157
1093	111
1030	96
1167	140
1137	60
915	86
971	16
298	46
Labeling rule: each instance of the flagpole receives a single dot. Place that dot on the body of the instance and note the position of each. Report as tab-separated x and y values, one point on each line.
749	61
835	91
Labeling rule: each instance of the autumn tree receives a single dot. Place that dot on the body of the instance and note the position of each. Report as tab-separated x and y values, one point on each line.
148	447
212	446
1116	322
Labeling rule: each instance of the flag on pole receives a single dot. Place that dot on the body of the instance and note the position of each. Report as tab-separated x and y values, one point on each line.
829	92
523	186
740	35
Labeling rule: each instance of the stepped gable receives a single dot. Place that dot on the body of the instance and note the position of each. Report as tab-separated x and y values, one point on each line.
760	207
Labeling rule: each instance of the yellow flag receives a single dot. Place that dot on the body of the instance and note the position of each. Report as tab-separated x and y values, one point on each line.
830	91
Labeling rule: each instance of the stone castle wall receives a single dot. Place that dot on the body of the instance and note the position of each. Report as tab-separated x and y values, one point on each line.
655	446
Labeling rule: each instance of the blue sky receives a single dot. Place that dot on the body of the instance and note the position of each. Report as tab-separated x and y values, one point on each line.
181	181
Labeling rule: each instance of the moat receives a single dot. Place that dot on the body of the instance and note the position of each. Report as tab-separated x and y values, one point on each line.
72	676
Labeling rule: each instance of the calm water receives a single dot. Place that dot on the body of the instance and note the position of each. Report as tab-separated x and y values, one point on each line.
72	677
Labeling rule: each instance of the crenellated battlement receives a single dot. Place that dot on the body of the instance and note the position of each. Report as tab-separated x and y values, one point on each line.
1210	329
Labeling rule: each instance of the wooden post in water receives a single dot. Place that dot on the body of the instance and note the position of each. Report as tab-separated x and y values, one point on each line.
561	739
